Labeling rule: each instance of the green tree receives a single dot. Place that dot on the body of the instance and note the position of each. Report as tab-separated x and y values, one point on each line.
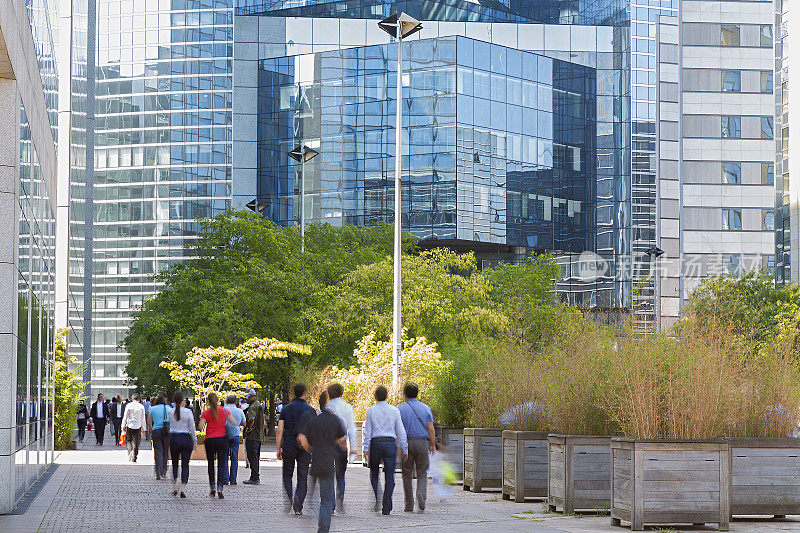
69	391
445	298
247	279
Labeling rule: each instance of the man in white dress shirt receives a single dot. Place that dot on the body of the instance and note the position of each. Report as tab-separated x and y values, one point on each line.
344	411
133	423
383	431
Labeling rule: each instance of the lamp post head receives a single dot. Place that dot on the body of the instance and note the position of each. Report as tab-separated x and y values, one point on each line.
253	205
654	251
303	153
401	25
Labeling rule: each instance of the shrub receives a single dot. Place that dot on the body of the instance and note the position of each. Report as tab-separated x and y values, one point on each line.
68	392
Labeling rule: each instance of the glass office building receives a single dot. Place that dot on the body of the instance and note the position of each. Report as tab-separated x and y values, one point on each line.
500	157
499	143
161	158
28	131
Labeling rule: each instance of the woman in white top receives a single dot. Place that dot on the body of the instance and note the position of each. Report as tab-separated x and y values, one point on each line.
182	440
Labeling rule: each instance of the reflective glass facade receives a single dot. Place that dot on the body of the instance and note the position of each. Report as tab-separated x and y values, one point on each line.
499	144
162	154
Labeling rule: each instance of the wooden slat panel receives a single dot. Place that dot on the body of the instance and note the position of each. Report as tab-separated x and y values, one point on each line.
663	474
679	497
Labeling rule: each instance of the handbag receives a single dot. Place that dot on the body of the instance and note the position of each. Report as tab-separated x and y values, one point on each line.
122	439
166	420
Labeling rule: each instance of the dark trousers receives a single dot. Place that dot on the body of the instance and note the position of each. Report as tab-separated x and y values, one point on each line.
217	448
99	430
340	462
180	449
160	447
117	429
233	457
81	429
326	502
383	449
132	439
253	449
302	458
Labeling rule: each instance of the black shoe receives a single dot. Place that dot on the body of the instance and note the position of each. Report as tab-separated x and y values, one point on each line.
175	492
158	478
183	494
220	495
407	510
232	483
386	513
251	482
212	493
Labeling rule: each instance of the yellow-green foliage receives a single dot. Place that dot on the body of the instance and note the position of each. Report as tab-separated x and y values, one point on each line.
421	363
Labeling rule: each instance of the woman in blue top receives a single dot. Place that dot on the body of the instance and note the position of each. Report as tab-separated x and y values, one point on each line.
159	414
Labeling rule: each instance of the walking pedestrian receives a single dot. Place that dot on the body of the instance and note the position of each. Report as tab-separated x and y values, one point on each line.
254	436
147	406
100	415
133	424
344	411
233	437
290	452
182	440
83	418
159	422
418	422
323	437
213	421
383	431
117	414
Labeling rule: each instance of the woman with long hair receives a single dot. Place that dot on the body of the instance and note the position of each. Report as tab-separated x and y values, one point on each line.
158	419
213	422
182	440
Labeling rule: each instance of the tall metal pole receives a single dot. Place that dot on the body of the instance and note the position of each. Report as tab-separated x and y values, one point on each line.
398	157
303	206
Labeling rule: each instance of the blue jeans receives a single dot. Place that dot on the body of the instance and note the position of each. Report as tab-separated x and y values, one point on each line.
233	454
303	459
383	449
326	503
340	462
217	448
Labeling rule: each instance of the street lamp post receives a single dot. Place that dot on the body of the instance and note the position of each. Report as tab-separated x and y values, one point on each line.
398	26
301	154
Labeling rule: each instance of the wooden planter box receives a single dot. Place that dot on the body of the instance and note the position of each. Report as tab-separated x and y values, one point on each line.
670	482
483	459
579	473
199	453
524	465
453	439
765	476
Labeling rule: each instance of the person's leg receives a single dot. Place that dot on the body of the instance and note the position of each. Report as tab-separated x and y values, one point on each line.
233	457
186	455
99	431
326	496
341	469
222	463
136	434
255	461
303	462
174	452
389	465
157	451
408	474
165	442
423	462
210	463
129	442
81	429
288	473
374	468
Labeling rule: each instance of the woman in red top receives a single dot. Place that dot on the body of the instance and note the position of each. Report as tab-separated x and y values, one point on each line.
213	422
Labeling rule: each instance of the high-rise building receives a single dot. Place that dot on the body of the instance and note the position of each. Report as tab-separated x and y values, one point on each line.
161	133
28	185
716	151
604	133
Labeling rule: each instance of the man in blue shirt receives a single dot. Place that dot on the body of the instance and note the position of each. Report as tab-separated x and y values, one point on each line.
289	450
418	422
233	437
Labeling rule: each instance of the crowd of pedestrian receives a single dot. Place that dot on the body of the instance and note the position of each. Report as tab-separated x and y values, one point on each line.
310	442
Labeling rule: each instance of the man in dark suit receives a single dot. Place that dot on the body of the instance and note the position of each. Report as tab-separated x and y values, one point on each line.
100	414
117	412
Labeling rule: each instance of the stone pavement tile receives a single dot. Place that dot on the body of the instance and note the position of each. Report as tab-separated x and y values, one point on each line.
97	490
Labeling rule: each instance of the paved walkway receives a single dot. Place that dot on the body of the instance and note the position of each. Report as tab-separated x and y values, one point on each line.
97	490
